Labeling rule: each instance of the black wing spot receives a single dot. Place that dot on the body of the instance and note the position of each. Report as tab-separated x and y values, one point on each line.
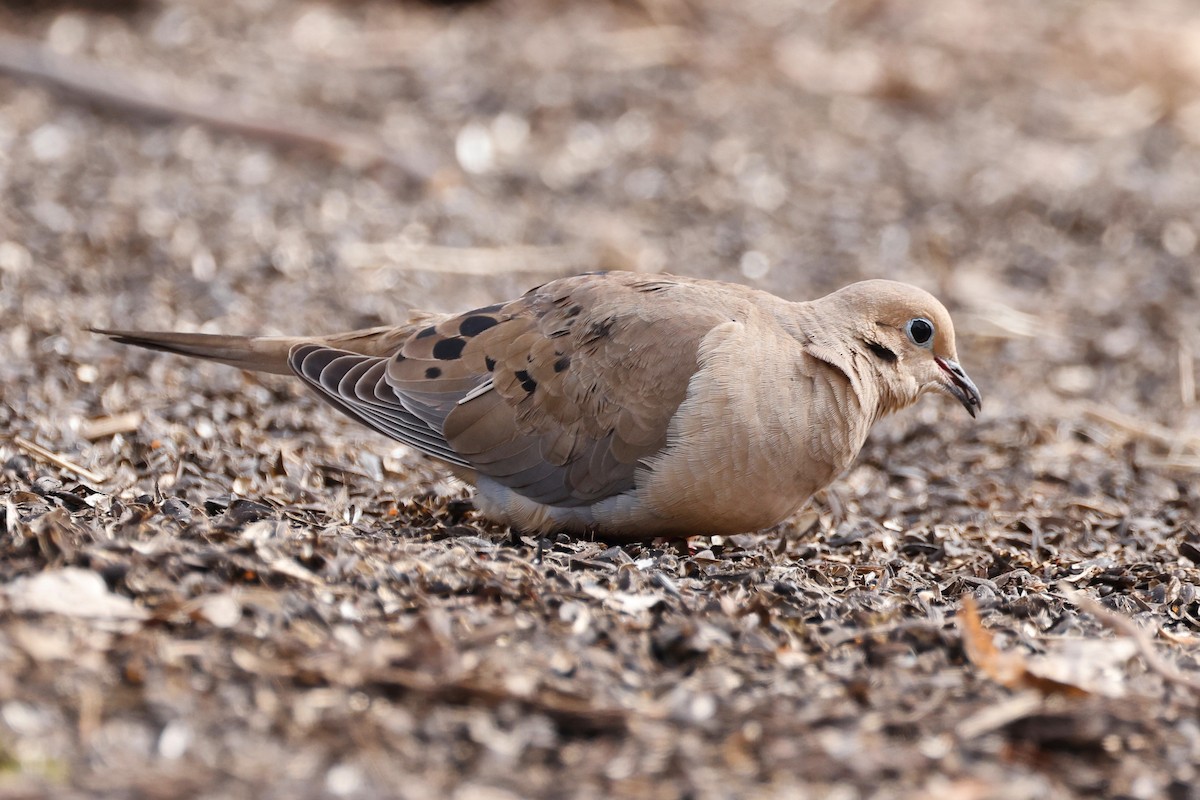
599	330
476	324
426	333
433	372
573	311
881	352
490	363
527	382
561	364
449	349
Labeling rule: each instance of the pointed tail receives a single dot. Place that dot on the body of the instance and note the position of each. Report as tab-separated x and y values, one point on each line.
255	353
260	353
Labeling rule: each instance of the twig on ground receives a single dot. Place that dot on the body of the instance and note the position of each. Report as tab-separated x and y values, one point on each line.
1187	374
111	425
37	451
1126	626
483	261
108	86
575	711
1140	428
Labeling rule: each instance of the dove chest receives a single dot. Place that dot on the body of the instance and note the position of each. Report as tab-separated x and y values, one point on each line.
762	428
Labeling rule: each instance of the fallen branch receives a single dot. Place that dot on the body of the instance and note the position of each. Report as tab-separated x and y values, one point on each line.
477	261
37	451
1126	626
577	712
106	86
1139	428
1187	375
111	425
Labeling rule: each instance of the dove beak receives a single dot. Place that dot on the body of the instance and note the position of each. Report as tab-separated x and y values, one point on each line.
960	385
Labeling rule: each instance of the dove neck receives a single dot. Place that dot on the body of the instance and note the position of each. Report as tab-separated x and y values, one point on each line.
833	336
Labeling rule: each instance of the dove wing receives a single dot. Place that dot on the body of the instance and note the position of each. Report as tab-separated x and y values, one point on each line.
558	395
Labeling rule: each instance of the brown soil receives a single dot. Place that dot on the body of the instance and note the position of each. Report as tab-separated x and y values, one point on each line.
213	586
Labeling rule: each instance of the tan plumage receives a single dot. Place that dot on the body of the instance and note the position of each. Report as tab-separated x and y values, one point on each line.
627	405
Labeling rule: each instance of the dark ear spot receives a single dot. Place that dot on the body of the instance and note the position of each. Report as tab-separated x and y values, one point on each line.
448	349
881	352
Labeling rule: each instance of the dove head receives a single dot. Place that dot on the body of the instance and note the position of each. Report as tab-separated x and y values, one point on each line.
905	339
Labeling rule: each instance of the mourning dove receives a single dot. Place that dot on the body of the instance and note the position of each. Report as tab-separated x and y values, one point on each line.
629	406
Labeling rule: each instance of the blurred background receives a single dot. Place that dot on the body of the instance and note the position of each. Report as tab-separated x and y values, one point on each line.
279	167
1033	164
304	167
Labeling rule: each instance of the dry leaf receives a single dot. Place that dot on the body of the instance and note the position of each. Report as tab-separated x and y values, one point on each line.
71	592
221	610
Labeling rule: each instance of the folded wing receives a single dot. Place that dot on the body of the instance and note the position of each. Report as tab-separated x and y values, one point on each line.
558	395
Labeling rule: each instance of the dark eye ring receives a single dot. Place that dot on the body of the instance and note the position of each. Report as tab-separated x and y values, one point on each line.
920	332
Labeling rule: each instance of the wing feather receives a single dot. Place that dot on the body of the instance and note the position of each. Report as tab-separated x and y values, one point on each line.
559	395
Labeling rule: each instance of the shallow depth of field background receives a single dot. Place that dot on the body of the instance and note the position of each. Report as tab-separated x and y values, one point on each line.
213	586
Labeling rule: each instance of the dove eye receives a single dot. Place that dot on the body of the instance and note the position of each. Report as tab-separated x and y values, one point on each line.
920	332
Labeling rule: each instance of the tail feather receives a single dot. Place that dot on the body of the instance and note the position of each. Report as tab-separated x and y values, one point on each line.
255	353
265	353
